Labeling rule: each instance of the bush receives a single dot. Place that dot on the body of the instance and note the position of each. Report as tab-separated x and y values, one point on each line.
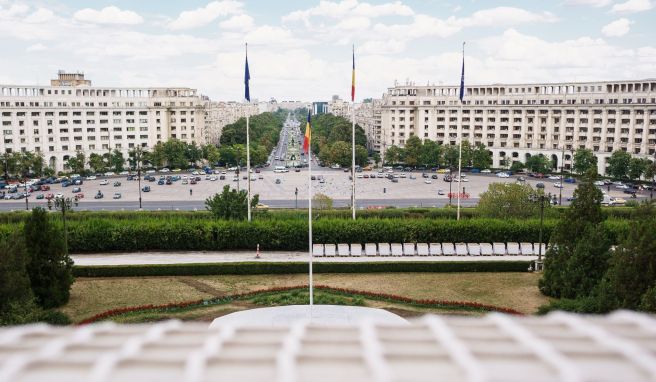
255	268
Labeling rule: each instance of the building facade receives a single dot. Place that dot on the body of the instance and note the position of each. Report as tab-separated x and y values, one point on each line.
517	121
72	115
368	115
220	114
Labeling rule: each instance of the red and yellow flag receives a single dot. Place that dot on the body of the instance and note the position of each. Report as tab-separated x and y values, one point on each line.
353	78
308	134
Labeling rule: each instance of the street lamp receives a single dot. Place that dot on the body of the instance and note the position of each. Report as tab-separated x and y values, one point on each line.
137	158
27	207
538	264
296	194
64	204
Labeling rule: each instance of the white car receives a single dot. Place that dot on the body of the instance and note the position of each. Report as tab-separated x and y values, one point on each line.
486	171
253	177
59	195
554	177
558	185
359	176
599	183
165	170
92	177
428	181
124	173
213	178
104	182
207	177
403	175
151	172
464	179
109	173
503	175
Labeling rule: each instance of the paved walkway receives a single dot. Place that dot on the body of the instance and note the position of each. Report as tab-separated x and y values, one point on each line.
239	256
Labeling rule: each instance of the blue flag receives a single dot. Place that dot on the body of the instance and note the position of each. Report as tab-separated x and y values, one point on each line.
462	76
247	78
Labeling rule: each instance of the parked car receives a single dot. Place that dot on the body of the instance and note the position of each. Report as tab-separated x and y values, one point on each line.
193	181
104	182
428	181
50	196
145	188
76	190
161	182
503	175
117	195
570	180
278	181
440	192
99	195
59	195
558	185
117	184
45	188
165	170
434	176
169	182
40	196
109	173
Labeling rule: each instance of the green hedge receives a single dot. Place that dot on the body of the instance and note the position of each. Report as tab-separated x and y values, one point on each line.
256	268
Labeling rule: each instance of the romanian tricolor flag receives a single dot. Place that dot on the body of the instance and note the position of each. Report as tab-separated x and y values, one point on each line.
353	78
308	134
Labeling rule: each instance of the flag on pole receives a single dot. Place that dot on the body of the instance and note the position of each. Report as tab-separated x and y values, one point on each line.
353	78
462	75
247	78
308	134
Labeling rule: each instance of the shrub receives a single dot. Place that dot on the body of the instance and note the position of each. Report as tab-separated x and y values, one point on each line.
230	204
14	281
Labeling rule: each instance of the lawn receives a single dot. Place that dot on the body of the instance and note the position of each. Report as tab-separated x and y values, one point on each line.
90	296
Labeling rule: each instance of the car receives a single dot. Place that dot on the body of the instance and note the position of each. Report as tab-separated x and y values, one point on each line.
403	175
464	178
40	196
124	173
521	179
428	181
117	195
443	171
295	170
79	195
558	185
213	178
65	183
109	173
222	177
91	177
599	183
440	192
176	170
257	170
434	176
486	171
150	171
169	182
622	187
554	177
99	195
165	170
193	181
50	196
59	195
630	191
207	177
76	190
620	201
117	184
44	188
131	177
260	176
448	178
185	181
235	178
161	182
395	180
570	180
322	180
503	175
104	182
412	176
359	176
253	178
278	181
424	175
145	188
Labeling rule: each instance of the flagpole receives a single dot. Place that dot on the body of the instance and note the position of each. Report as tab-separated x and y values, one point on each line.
248	163
310	221
462	94
353	136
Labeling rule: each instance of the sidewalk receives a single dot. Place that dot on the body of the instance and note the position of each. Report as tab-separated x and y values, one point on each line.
241	256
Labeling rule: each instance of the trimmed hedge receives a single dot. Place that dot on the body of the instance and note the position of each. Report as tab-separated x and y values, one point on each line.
256	268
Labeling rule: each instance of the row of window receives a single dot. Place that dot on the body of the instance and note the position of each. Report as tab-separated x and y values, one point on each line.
93	146
88	113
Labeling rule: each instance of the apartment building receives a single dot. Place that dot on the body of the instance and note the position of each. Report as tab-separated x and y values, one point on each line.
368	115
517	121
220	114
71	115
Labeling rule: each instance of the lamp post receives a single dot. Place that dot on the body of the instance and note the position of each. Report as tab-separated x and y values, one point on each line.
27	207
64	204
296	194
137	158
562	170
538	264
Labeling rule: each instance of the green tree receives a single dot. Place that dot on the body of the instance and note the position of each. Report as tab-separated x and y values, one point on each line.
116	160
618	164
194	154
14	281
158	156
584	160
376	158
49	267
413	148
175	153
137	157
97	163
393	155
517	166
340	153
322	202
637	167
211	154
481	157
450	156
230	204
569	257
509	200
538	163
76	163
650	170
48	171
430	154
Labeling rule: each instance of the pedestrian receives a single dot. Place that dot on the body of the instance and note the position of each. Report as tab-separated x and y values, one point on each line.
191	191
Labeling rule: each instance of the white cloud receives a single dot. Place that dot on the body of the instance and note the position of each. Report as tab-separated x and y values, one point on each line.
632	6
202	16
502	17
591	3
36	48
239	22
349	8
617	28
108	15
41	15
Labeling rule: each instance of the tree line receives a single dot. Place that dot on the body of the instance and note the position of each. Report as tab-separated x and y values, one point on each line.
431	154
332	141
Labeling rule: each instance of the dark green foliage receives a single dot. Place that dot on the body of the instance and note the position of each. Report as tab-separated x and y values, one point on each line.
511	200
230	204
49	266
256	268
14	282
584	161
618	164
327	129
587	264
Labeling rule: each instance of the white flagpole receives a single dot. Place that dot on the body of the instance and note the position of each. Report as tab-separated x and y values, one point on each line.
459	163
353	161
310	219
248	163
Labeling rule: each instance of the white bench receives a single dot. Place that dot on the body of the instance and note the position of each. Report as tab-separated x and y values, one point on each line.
343	250
486	249
370	249
330	249
536	248
356	249
384	249
527	249
499	249
461	249
435	249
408	249
513	249
422	249
474	249
448	249
397	249
317	249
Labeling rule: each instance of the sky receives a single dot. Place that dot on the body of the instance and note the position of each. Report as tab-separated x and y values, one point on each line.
302	50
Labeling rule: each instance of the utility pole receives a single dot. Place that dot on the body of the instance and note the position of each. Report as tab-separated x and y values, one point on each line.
562	169
137	155
64	204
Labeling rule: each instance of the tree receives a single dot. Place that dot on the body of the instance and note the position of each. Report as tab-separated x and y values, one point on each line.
618	164
137	157
570	256
175	153
76	163
48	172
49	267
413	148
481	158
650	170
116	160
637	167
538	163
230	204
158	156
97	163
376	158
517	166
509	200
322	202
361	156
193	153
14	281
450	156
340	153
393	155
430	154
584	160
211	154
